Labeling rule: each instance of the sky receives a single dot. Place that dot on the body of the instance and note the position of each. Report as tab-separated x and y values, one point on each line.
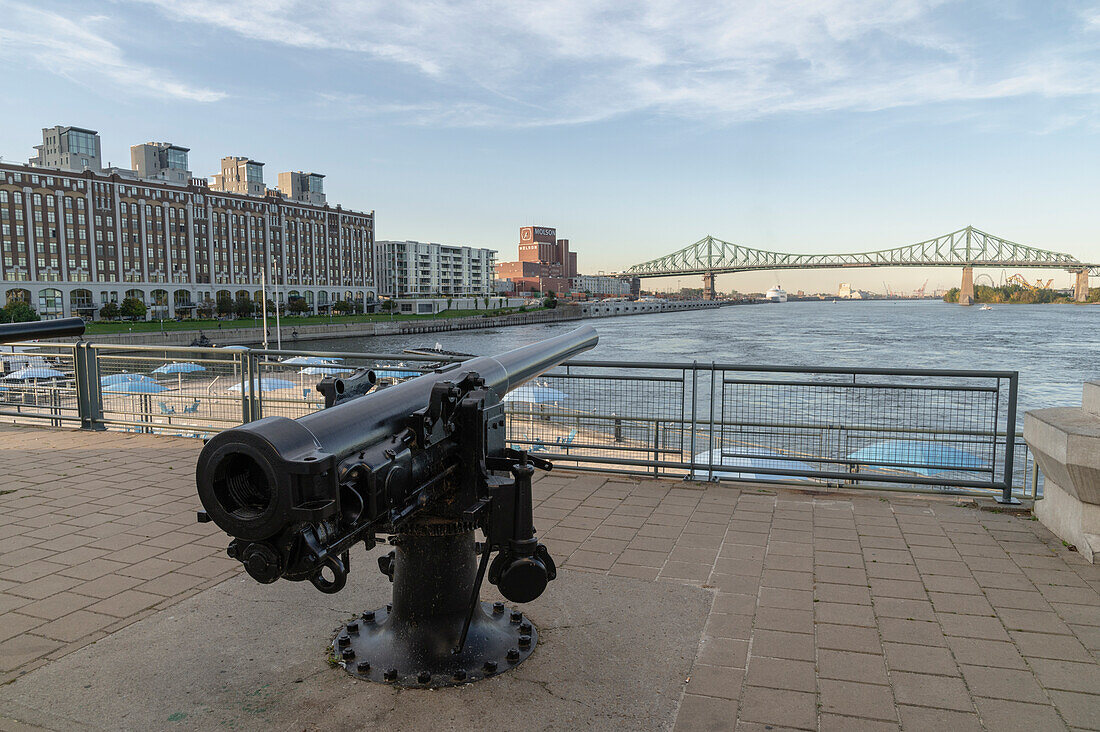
634	128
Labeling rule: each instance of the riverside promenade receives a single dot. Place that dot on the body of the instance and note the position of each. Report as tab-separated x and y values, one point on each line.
677	606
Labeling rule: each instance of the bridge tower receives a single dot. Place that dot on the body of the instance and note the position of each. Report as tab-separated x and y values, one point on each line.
1081	285
966	291
708	286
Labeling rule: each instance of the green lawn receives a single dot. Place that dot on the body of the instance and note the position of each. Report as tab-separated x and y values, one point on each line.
103	328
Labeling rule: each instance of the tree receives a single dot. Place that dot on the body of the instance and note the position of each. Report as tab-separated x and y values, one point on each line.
298	306
109	311
17	311
388	305
551	300
244	308
341	306
132	308
205	309
225	305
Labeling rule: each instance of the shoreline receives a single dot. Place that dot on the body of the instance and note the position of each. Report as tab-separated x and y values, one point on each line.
253	336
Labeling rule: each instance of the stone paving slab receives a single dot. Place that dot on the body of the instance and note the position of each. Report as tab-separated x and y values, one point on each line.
248	656
828	611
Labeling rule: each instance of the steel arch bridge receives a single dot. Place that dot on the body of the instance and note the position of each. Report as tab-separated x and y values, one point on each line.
967	247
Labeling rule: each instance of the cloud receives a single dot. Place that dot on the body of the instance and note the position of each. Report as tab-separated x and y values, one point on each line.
48	41
531	62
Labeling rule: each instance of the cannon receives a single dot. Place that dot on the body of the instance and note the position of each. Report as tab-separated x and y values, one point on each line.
58	328
424	463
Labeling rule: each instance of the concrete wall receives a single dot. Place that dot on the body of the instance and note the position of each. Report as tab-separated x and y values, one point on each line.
1066	444
607	308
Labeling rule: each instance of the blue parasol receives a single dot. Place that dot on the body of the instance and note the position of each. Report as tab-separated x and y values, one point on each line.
396	373
136	387
124	378
536	394
184	367
748	465
33	372
325	370
266	383
311	361
916	456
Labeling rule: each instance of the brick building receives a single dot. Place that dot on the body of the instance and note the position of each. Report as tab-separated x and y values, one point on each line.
74	236
545	262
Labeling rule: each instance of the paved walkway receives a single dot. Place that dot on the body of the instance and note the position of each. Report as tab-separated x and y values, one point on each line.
832	611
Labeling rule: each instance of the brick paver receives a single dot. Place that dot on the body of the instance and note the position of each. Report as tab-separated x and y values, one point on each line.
95	529
831	611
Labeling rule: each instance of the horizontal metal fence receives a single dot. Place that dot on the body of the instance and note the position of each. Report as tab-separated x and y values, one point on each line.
813	428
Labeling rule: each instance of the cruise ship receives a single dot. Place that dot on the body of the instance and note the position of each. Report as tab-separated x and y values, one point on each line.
776	294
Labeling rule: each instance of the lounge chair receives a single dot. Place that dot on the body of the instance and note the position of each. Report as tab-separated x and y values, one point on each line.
568	439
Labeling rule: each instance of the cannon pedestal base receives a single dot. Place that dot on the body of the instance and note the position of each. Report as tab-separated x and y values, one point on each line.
412	641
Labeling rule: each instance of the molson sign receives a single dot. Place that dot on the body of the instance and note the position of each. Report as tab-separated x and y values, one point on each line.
529	234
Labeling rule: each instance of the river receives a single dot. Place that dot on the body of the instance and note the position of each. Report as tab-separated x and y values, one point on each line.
1054	347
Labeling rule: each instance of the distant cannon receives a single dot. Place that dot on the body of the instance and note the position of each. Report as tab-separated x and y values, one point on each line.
423	461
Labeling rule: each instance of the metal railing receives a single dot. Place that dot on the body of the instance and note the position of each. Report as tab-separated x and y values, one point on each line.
816	428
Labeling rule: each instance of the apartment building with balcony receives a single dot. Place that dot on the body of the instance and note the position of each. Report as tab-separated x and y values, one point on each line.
426	269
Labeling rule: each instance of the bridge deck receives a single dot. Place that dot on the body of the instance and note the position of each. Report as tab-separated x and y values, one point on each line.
965	247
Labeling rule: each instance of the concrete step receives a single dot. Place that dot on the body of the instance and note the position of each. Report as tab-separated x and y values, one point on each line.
1090	399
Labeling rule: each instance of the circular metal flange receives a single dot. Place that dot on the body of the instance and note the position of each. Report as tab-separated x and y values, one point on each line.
379	647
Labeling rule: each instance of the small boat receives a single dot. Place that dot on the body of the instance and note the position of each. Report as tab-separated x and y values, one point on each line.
436	350
986	307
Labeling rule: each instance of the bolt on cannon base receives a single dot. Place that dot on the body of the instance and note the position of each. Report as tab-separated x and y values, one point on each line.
373	648
416	641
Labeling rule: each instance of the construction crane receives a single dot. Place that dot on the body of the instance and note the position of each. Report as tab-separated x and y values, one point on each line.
920	292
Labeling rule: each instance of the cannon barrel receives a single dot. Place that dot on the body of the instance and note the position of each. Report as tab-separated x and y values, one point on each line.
423	461
60	328
254	478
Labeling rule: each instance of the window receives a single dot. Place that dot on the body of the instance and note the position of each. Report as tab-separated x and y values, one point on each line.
177	159
80	143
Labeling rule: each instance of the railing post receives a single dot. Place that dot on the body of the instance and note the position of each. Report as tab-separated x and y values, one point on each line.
694	402
246	386
656	449
1010	440
256	386
710	431
89	403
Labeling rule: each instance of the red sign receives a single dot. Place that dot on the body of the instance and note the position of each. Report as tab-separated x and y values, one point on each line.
537	233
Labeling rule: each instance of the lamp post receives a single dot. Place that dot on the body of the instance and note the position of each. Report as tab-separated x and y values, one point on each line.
263	305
